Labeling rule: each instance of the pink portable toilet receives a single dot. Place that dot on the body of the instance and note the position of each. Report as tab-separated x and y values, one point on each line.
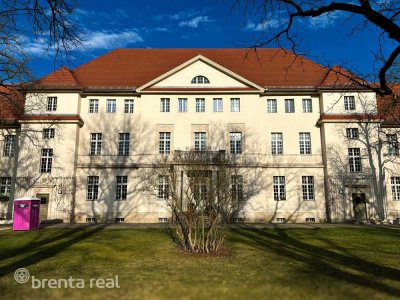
26	213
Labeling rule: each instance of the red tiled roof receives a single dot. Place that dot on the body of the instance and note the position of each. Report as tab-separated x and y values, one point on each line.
11	105
340	77
339	117
135	67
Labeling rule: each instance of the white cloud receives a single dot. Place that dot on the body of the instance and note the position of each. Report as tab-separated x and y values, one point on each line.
110	39
194	23
324	21
271	23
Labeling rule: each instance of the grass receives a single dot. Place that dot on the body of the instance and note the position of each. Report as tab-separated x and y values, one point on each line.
324	263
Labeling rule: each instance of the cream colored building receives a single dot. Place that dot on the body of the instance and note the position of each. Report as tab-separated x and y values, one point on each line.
302	138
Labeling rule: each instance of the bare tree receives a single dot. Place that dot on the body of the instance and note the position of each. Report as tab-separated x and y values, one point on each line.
381	16
204	192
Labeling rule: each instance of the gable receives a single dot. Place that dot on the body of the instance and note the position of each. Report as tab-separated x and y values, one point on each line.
183	78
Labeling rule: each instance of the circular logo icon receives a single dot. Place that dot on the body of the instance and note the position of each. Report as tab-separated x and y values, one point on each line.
21	275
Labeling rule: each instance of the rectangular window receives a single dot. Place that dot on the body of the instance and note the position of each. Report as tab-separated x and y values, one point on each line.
271	106
395	183
165	143
48	133
46	160
163	187
95	143
93	106
349	103
352	133
200	192
121	190
307	106
289	105
51	103
93	187
305	142
199	141
393	144
123	143
200	105
235	142
111	105
237	187
182	105
354	160
5	185
235	105
164	105
279	188
129	106
9	145
276	143
217	104
308	187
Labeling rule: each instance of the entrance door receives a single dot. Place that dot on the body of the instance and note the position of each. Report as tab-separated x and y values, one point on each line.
360	207
44	202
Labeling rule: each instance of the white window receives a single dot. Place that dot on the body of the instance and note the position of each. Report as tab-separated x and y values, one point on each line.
182	104
200	80
395	182
237	187
90	220
310	220
200	105
200	192
123	143
93	106
354	160
51	103
308	187
279	188
235	142
5	185
46	160
352	133
271	106
276	143
307	106
93	187
121	189
129	106
111	105
199	141
305	142
393	144
289	105
165	143
164	105
163	187
95	143
9	145
349	103
217	104
119	220
235	105
48	133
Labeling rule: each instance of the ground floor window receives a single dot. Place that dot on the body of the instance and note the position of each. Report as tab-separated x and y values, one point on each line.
93	187
308	187
121	188
5	185
395	182
163	187
279	188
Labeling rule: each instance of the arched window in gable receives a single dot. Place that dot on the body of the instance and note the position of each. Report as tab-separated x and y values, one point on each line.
200	80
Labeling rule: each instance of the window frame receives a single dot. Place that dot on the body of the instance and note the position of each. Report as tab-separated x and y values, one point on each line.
235	104
200	79
182	104
279	188
200	141
165	105
307	187
164	142
393	144
93	106
46	160
218	105
96	141
305	143
111	106
272	106
395	187
276	143
121	188
163	187
129	106
124	139
289	106
349	103
92	188
355	164
48	133
307	105
235	143
237	188
51	103
9	145
200	105
5	185
352	133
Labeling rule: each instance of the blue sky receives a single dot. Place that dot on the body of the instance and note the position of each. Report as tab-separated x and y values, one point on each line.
203	24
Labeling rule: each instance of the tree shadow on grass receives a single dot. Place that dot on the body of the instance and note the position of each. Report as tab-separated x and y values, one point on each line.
332	261
47	248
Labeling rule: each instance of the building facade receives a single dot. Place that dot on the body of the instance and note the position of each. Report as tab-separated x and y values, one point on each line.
312	147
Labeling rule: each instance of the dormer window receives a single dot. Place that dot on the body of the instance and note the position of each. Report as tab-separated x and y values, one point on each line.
200	80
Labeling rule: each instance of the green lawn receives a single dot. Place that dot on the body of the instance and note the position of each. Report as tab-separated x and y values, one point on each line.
328	263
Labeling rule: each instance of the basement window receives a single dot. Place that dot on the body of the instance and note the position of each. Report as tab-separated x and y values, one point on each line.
238	220
162	220
90	220
310	220
281	220
119	220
